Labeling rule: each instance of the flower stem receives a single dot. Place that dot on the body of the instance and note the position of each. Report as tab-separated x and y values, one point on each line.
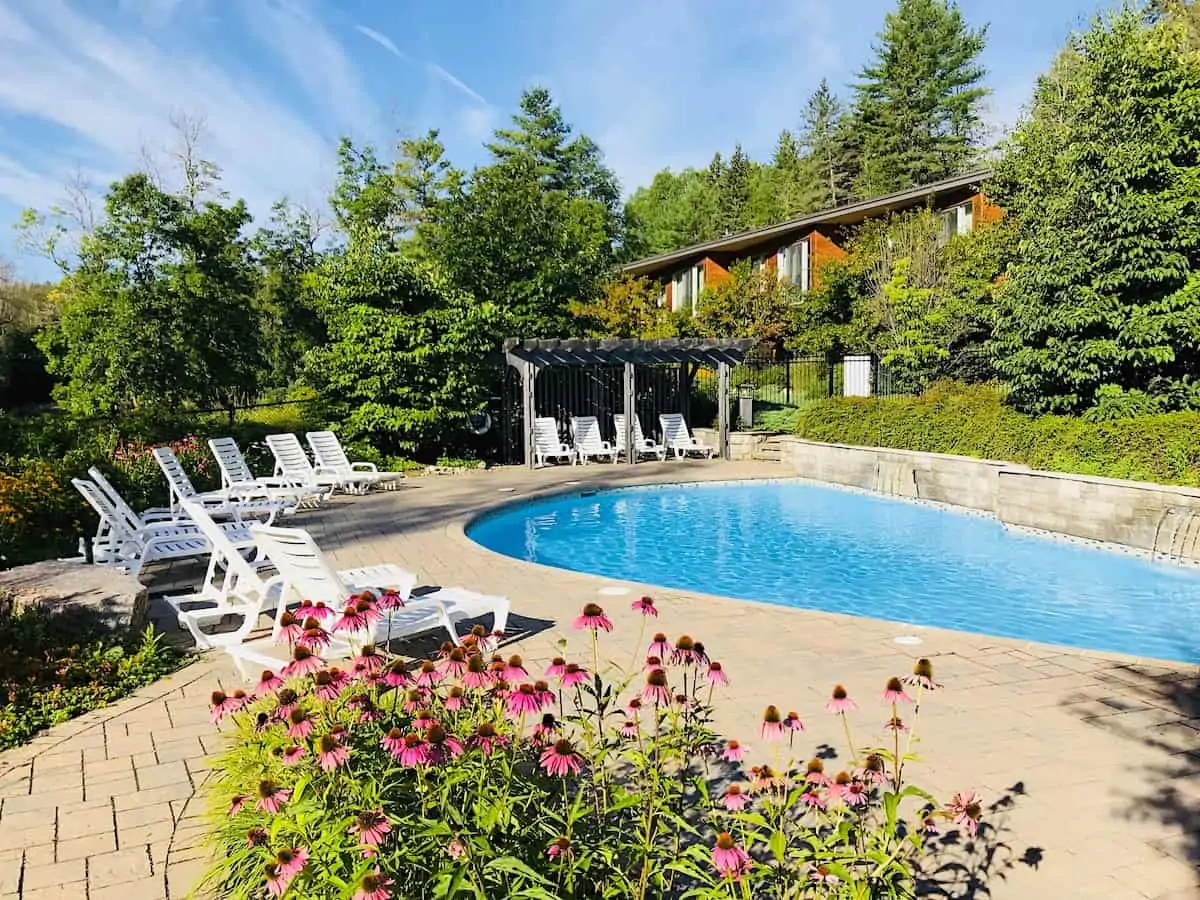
849	740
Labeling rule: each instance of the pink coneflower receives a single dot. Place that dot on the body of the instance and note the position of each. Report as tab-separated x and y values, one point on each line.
629	729
257	837
477	674
560	759
922	676
330	753
634	707
424	719
872	771
271	796
369	659
894	692
771	728
856	793
286	700
329	683
645	606
371	827
545	730
454	699
765	779
716	675
373	887
733	751
393	741
699	654
300	724
573	675
486	738
390	599
557	666
445	647
813	800
791	722
291	860
368	607
277	881
267	682
454	663
456	848
304	662
545	695
895	723
428	675
290	627
496	671
524	701
734	800
262	721
440	746
815	773
350	620
652	662
222	704
684	651
840	702
656	691
414	751
730	860
593	617
683	700
314	637
966	809
560	846
293	754
514	670
396	675
236	804
659	646
415	700
840	786
823	875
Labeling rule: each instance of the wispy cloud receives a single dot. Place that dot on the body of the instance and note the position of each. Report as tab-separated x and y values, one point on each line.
450	79
383	41
432	68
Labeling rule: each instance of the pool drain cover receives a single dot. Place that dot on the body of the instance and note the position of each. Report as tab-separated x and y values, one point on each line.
907	639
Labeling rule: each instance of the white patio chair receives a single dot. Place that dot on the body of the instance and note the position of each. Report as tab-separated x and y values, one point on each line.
546	443
237	503
679	440
585	432
236	473
331	456
232	586
642	446
292	463
122	542
147	517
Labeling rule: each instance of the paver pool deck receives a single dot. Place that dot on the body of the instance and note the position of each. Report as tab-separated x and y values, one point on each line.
1090	762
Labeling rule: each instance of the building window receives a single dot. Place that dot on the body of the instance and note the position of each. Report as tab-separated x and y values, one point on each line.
686	287
956	220
794	265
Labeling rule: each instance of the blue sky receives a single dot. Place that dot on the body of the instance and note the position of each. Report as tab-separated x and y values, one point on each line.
88	87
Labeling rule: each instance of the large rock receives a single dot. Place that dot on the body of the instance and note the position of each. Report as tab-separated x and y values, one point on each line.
116	597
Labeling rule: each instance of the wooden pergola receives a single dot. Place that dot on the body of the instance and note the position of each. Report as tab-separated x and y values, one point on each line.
529	357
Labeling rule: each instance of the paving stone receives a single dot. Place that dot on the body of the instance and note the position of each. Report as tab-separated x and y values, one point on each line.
79	848
55	874
171	773
76	890
96	819
44	802
153	796
28	828
184	876
151	888
10	875
111	787
130	864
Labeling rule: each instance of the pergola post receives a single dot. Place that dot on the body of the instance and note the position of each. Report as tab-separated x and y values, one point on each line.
529	408
630	411
723	408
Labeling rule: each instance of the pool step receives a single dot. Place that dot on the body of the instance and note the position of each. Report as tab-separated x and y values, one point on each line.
769	450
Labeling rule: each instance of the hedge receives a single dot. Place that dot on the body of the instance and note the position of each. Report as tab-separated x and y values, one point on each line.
973	420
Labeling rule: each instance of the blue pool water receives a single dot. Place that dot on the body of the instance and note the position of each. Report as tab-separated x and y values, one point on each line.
821	548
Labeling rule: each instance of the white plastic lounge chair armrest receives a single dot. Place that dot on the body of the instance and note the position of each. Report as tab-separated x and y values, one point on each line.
364	467
158	514
326	470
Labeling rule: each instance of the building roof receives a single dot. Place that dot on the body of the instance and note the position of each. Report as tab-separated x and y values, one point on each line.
847	214
615	351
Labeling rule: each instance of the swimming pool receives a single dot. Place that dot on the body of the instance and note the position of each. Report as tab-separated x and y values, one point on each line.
802	545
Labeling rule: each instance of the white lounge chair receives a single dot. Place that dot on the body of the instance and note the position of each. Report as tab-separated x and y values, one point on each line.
148	517
585	432
120	541
679	440
307	575
236	473
237	503
546	443
642	446
232	587
292	463
331	456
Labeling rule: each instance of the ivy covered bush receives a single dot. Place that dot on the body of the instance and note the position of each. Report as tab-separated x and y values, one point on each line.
975	421
476	774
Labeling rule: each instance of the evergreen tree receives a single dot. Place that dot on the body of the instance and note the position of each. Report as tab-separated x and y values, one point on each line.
822	137
733	192
918	106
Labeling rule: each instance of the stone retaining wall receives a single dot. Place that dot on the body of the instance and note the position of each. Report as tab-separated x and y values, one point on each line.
1151	517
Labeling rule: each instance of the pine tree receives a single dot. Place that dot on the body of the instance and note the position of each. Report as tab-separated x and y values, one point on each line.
822	137
734	192
918	106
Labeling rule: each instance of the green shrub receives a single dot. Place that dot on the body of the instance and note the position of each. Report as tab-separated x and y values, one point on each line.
975	421
58	665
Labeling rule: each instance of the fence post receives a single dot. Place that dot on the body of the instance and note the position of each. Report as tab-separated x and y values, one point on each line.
787	374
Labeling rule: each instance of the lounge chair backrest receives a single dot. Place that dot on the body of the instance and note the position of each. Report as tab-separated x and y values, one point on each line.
639	439
290	459
239	571
181	486
328	451
230	460
675	430
120	507
545	434
586	432
104	508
